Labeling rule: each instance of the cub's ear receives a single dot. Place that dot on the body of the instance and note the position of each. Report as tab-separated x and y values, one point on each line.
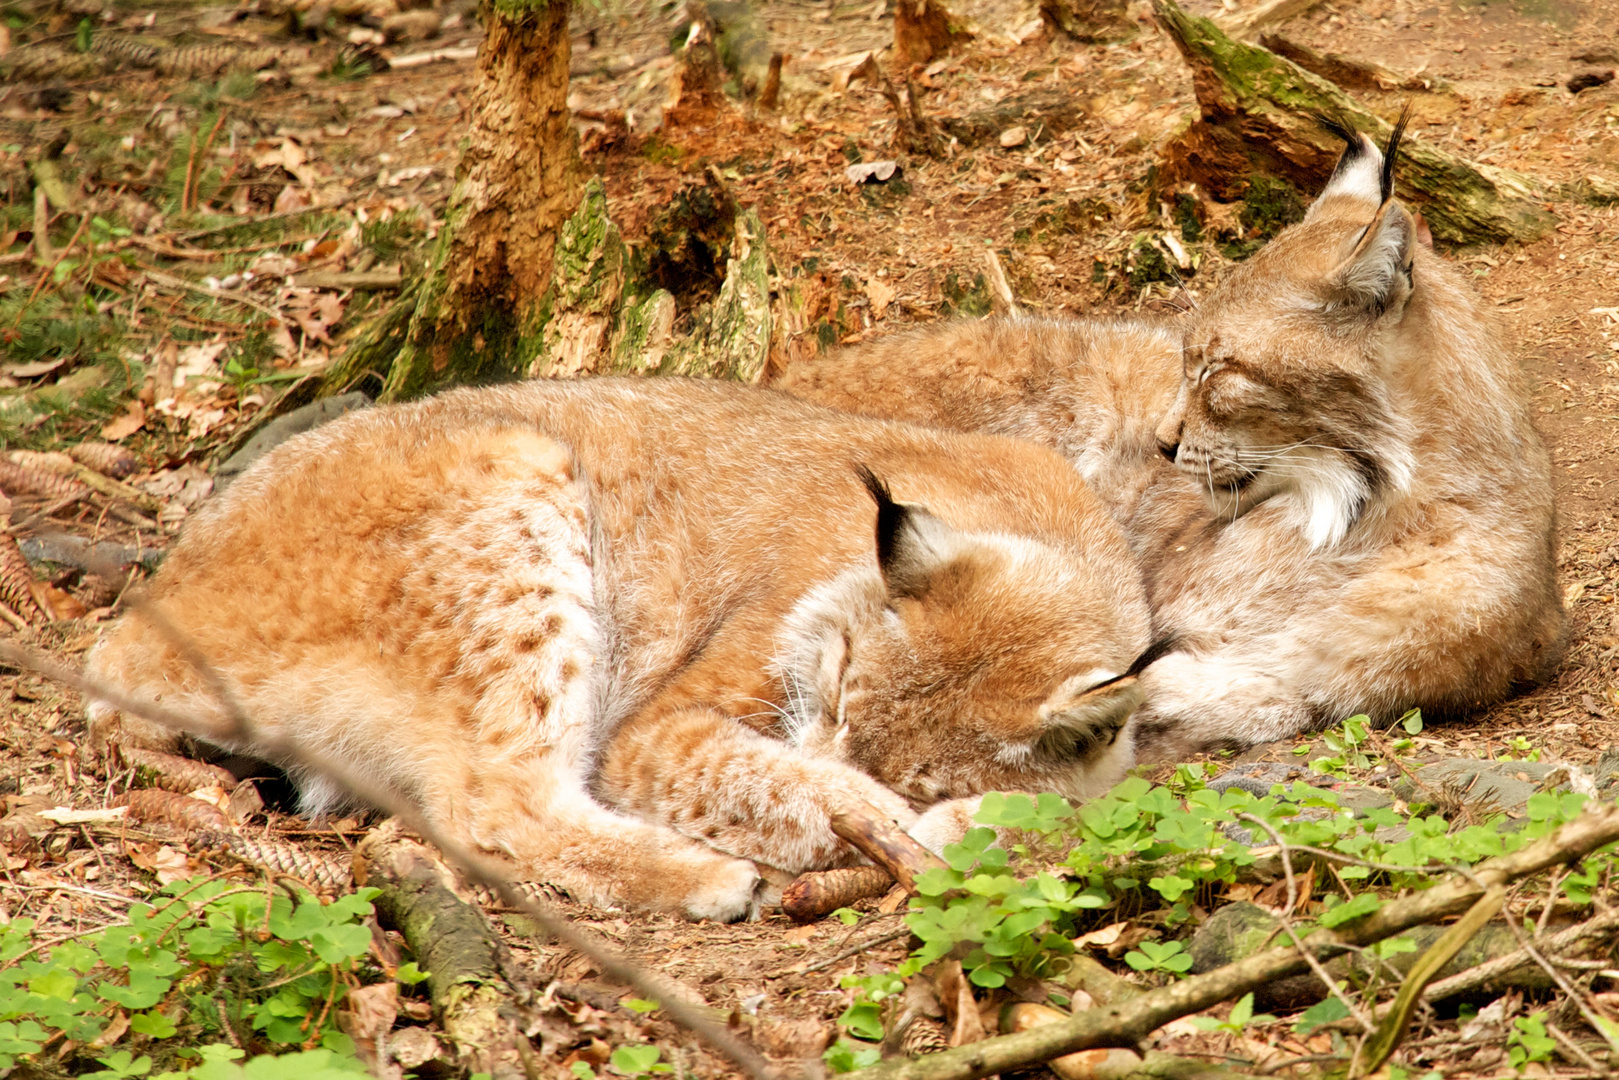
1364	174
911	543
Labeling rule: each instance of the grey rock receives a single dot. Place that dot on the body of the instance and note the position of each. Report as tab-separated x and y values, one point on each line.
282	428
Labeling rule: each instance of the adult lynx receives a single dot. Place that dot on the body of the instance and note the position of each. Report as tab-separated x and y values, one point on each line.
587	624
1329	473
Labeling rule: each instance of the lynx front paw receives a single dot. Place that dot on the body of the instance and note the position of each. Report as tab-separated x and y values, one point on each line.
730	891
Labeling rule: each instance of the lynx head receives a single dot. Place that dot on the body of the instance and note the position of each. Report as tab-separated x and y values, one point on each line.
968	662
1285	389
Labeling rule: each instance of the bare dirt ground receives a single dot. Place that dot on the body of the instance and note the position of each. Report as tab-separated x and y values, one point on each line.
1060	210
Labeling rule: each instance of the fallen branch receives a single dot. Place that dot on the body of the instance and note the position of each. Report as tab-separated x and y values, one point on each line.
881	840
1260	111
1109	1064
1491	971
898	858
1127	1024
358	280
468	966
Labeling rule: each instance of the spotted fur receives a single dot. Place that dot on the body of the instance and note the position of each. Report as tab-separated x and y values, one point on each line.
637	636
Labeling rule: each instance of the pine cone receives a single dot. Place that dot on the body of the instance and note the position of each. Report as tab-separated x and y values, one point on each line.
105	458
172	808
16	580
14	477
322	871
924	1036
172	772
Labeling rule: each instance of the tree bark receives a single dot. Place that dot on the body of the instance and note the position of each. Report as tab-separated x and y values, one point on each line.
478	313
1260	111
923	29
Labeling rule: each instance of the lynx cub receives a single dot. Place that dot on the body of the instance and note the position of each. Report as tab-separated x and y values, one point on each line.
1352	510
633	634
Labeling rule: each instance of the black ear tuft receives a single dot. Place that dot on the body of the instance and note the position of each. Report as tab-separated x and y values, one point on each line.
1391	151
1342	128
912	544
890	516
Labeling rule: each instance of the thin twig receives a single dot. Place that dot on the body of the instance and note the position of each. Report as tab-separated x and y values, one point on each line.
218	294
1576	1049
1284	917
49	271
853	950
1563	983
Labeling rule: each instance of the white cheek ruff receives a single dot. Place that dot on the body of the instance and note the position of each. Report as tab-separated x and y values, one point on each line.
1329	494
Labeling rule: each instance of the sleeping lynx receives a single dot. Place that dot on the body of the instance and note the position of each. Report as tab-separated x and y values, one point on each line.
587	624
1329	472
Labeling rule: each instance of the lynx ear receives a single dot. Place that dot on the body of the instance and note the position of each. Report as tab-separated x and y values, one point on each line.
1375	275
911	543
1359	174
1364	174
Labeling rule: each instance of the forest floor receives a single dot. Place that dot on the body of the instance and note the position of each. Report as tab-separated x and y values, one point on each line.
218	235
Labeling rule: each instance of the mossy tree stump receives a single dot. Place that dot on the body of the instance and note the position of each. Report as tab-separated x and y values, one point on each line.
1260	109
479	309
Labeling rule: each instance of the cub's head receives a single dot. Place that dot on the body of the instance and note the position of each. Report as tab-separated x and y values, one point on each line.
965	662
1285	388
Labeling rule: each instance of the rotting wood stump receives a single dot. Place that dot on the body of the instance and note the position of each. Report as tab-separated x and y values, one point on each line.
1261	110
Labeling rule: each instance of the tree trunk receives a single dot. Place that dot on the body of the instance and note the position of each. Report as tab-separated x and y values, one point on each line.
478	314
1260	115
923	29
1089	21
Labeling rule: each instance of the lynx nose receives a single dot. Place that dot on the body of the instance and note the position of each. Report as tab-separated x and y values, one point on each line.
1169	450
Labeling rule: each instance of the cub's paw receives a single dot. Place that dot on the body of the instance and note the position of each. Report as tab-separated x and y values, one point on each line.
945	823
731	890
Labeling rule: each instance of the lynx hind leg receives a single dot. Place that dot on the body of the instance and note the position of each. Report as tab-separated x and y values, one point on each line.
525	646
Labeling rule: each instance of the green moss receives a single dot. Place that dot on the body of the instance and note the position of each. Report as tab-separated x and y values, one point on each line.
971	300
1185	210
1144	262
1269	206
659	152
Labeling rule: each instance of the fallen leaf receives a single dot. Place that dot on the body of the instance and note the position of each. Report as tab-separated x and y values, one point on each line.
292	197
881	294
169	863
1101	939
956	995
867	172
36	369
194	360
369	1011
413	1047
315	313
126	423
